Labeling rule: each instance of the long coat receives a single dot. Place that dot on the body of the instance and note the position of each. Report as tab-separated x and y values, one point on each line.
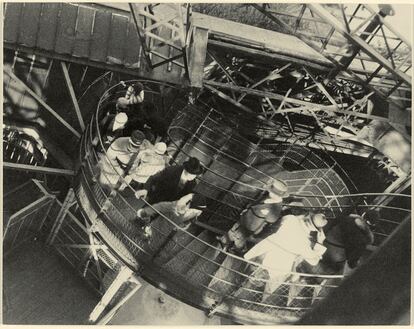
282	249
163	186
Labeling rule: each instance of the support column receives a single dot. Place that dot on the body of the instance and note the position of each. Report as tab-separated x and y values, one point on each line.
123	276
133	280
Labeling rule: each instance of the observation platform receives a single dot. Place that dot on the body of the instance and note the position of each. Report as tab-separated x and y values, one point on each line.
189	264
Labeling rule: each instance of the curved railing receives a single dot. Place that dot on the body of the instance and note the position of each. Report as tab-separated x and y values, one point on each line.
189	263
22	148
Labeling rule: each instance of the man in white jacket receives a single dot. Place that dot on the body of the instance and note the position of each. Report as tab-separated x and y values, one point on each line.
291	243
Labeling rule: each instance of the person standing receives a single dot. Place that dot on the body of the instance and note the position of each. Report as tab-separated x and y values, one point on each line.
265	211
173	182
356	235
292	242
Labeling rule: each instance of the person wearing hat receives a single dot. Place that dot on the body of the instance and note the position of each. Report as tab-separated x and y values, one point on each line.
182	212
142	115
132	104
356	235
173	182
265	211
133	95
115	128
290	244
121	158
151	161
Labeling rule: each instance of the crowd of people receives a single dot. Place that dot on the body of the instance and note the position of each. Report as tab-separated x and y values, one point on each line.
275	231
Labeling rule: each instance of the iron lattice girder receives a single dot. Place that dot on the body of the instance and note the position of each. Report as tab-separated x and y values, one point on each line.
302	105
162	32
372	78
360	43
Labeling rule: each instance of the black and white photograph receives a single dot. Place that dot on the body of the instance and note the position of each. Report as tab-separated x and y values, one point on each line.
206	163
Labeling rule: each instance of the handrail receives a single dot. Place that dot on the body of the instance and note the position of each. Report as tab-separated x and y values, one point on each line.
171	222
90	157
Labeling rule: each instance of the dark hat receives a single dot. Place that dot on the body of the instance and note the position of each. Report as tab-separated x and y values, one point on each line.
138	87
192	166
198	202
137	137
372	217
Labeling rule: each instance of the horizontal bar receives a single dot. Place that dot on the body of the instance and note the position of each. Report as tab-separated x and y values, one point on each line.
27	209
39	169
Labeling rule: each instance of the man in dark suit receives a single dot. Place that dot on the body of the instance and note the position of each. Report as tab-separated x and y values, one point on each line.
173	182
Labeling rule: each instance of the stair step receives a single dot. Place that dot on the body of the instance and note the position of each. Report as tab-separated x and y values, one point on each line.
206	266
174	246
185	259
226	280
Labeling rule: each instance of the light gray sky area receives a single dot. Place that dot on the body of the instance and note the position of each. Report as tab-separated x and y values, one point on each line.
402	20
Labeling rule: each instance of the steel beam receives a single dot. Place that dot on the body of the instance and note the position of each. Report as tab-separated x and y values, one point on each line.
123	276
310	106
27	210
70	196
358	42
38	169
46	106
72	95
352	73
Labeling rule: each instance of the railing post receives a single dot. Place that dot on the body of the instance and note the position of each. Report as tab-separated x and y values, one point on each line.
123	276
67	203
134	280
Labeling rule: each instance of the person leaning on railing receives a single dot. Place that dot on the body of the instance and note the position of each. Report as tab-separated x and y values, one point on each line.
172	183
266	211
182	212
292	243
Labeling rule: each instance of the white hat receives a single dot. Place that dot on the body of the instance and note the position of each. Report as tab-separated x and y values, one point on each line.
278	187
121	118
160	148
319	220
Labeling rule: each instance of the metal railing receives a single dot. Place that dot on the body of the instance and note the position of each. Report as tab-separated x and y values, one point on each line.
188	263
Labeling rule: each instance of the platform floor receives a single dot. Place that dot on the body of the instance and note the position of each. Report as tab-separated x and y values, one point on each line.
40	288
151	306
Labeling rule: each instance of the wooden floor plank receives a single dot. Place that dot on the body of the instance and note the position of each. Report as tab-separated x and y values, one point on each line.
47	26
29	24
